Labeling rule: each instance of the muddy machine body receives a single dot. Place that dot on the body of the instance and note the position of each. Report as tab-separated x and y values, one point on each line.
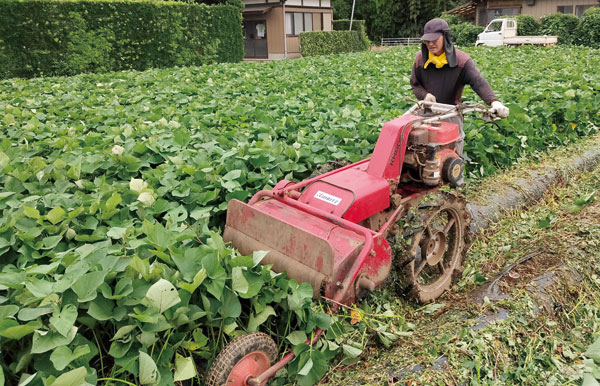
338	231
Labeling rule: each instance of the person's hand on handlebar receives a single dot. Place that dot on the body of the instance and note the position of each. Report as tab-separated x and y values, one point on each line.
499	110
430	98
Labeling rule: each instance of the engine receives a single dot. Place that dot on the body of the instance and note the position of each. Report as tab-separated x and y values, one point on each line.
431	157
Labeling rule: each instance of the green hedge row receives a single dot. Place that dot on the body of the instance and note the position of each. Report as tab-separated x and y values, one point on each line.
331	42
357	25
68	37
336	42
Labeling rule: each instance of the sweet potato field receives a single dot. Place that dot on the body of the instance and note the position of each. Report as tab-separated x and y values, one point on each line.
114	186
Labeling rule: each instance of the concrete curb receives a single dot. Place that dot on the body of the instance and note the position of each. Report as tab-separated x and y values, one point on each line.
528	188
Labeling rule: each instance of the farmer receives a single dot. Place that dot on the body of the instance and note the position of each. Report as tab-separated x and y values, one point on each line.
440	73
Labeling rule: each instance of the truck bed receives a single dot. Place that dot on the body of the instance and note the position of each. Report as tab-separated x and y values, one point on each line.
535	40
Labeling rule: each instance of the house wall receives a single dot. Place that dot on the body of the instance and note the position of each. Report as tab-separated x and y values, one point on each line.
321	20
538	9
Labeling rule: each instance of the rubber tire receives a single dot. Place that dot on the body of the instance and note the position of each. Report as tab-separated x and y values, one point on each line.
235	351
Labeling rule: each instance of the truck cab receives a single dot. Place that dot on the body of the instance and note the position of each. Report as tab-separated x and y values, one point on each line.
496	31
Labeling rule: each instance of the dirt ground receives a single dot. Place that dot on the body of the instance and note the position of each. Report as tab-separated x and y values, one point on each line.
528	326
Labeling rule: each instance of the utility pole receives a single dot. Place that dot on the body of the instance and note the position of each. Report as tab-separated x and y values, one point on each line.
352	14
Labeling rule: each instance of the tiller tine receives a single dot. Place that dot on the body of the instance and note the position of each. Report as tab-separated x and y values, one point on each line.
309	248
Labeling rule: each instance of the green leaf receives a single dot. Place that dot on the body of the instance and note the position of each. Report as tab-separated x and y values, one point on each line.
162	295
16	331
258	256
31	212
184	368
189	263
123	331
239	282
39	288
157	234
26	314
231	306
86	287
64	320
25	379
44	341
51	241
56	215
116	233
351	351
593	351
149	374
62	355
72	378
198	279
589	380
297	337
260	318
7	311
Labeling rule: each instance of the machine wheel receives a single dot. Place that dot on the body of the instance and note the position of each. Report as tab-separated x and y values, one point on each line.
244	357
435	239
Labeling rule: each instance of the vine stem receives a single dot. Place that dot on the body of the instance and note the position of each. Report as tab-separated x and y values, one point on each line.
165	345
100	352
117	380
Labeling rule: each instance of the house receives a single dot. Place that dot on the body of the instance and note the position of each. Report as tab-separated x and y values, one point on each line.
272	27
481	12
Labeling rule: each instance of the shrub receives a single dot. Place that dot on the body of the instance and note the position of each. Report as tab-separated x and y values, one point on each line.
587	32
527	25
465	34
357	25
453	19
331	42
68	37
560	24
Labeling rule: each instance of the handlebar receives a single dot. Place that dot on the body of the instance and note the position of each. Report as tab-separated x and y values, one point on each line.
444	111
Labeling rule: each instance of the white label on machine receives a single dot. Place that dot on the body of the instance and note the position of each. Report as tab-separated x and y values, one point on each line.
328	198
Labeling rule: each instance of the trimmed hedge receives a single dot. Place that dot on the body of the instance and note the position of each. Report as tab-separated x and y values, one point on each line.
331	42
69	37
357	25
338	41
560	24
587	32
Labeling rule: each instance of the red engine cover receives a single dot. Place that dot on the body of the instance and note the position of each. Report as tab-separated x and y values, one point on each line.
442	133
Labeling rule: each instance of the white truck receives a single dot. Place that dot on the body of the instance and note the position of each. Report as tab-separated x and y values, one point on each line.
503	32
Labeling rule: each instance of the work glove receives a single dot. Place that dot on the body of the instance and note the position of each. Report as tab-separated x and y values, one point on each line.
430	98
499	109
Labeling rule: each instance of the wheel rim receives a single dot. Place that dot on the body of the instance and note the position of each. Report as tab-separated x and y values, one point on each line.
251	365
437	251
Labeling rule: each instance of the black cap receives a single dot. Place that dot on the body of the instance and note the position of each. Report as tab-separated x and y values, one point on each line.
434	28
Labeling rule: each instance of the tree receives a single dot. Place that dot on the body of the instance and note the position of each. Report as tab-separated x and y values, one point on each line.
393	18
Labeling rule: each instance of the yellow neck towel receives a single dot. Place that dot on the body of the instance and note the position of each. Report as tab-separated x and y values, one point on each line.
439	61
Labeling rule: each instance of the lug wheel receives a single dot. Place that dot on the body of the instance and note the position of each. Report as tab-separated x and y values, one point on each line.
436	243
245	357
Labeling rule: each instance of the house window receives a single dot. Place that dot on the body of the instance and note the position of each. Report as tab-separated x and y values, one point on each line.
296	22
580	9
499	12
565	9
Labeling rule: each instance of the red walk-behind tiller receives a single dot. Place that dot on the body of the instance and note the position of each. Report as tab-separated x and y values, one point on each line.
334	230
